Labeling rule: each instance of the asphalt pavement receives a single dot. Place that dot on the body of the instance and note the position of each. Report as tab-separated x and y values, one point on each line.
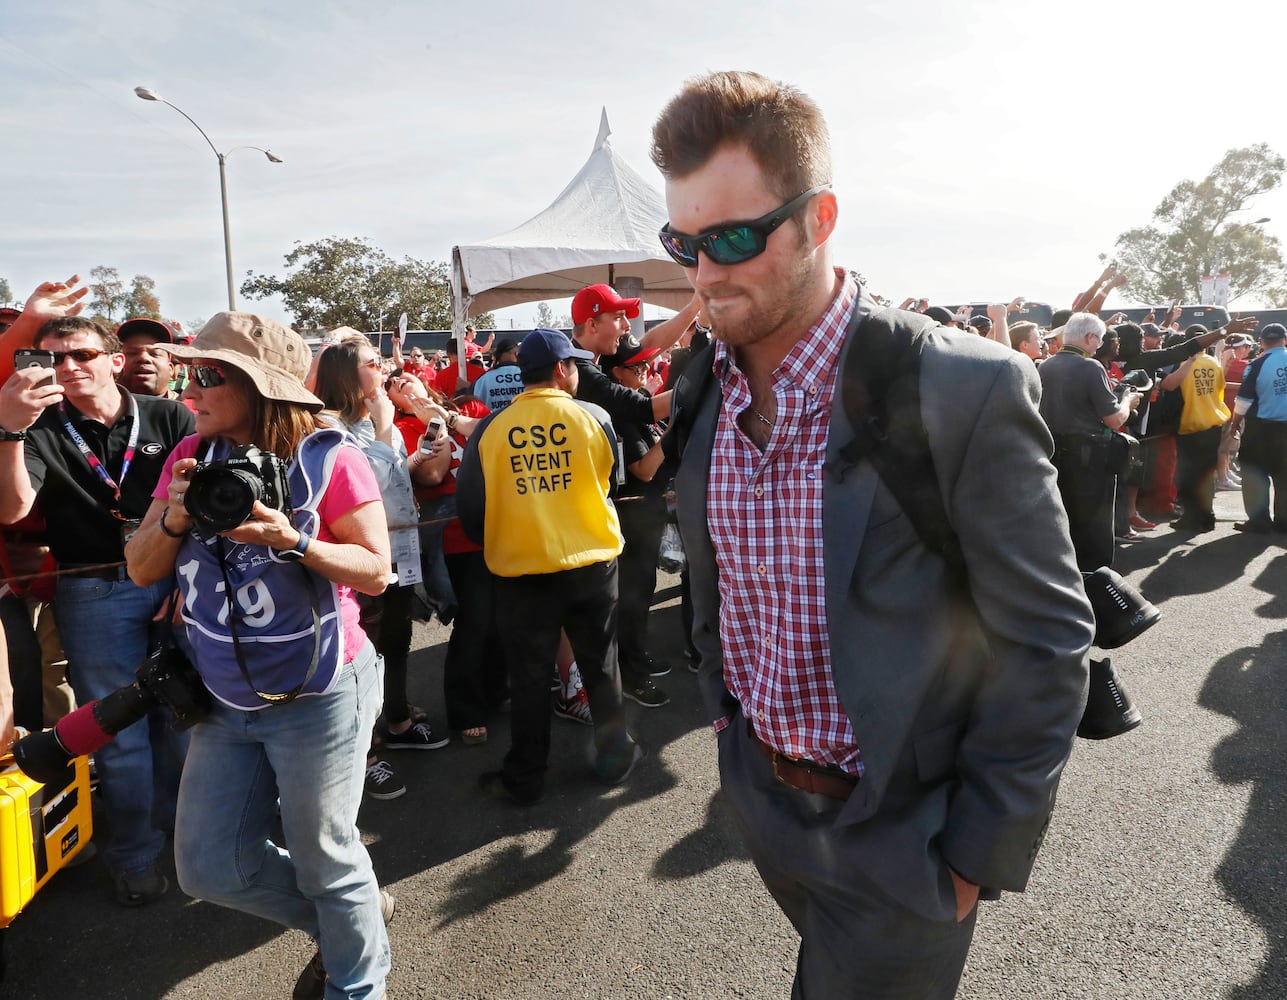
1163	874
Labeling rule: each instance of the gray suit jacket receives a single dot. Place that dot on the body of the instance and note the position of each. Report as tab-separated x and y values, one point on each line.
964	715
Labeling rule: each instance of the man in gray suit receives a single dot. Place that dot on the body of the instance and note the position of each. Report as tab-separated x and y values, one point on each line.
889	747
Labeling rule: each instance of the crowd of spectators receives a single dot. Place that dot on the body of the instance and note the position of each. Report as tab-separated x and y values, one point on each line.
1207	407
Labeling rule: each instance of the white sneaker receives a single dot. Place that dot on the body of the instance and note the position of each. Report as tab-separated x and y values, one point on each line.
1227	485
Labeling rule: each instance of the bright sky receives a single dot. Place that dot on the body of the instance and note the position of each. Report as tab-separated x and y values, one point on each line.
982	150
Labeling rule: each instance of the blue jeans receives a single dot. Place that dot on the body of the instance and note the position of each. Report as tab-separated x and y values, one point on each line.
307	758
105	627
432	562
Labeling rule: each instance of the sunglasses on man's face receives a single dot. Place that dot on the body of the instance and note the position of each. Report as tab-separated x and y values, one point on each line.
81	355
732	242
207	376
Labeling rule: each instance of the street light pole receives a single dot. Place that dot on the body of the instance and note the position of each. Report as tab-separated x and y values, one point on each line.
144	94
227	230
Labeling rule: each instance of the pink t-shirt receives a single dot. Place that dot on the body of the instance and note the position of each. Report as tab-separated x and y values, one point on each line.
352	484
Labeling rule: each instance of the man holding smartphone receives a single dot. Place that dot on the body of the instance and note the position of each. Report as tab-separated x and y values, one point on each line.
90	453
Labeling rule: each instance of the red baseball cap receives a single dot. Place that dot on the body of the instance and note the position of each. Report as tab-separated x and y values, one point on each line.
141	326
594	300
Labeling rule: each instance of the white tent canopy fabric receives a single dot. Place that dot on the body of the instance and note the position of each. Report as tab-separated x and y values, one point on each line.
602	228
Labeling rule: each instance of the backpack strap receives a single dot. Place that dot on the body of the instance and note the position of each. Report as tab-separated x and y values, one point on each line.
880	392
694	382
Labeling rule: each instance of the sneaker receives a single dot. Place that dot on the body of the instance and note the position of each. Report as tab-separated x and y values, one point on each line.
311	984
644	692
1227	485
139	888
1141	523
1254	527
693	660
417	737
574	709
1129	535
382	783
613	773
654	669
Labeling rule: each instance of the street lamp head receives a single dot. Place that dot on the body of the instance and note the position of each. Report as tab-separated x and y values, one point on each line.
273	158
144	94
1261	222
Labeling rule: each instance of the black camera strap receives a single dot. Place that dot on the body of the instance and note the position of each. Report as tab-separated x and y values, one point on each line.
287	697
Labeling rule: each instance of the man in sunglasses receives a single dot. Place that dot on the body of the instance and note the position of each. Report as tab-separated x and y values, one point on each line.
889	749
90	453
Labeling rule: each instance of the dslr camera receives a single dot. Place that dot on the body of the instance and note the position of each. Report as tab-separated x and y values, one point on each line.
165	679
222	494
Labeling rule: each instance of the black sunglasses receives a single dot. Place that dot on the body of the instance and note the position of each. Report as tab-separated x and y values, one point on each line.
732	242
82	355
207	376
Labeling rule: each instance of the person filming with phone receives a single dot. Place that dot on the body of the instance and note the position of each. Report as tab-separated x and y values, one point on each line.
89	453
271	520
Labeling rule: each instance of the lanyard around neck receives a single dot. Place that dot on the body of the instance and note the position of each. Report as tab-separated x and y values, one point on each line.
93	460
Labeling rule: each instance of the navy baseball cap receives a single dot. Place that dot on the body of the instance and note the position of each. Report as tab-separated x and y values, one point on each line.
543	347
1273	331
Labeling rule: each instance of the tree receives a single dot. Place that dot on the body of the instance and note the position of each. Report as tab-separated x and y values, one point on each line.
1192	235
546	317
342	281
142	300
109	297
6	293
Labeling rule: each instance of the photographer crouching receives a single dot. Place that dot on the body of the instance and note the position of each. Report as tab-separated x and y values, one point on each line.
271	520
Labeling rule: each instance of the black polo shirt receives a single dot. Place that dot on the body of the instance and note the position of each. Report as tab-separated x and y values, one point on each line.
624	405
76	503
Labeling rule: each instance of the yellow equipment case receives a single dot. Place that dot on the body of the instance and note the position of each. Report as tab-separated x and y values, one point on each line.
42	827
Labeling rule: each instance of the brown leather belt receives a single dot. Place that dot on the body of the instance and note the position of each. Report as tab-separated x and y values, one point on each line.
805	774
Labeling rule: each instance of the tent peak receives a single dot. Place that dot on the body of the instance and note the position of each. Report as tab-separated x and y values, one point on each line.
604	129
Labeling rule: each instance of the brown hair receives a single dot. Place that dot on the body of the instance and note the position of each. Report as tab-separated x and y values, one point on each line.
338	386
275	425
779	124
67	326
1020	332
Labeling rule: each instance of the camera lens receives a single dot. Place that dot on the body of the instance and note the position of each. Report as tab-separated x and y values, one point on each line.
220	498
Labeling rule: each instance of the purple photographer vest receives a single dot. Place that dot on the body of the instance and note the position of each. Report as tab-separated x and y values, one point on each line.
273	599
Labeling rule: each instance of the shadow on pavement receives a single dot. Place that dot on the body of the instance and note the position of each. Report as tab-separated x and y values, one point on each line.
74	941
1249	686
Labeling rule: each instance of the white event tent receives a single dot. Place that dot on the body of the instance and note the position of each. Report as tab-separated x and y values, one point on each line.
602	228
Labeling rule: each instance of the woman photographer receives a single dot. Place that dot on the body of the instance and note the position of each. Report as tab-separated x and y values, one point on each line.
273	623
350	382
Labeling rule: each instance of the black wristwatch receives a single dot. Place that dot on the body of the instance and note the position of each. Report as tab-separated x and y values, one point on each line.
12	435
296	552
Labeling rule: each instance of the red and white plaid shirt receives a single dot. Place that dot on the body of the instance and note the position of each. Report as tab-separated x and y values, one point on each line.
765	511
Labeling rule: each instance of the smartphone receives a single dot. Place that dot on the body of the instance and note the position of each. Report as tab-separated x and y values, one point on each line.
35	359
433	429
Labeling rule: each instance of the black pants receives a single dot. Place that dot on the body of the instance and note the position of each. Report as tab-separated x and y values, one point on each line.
387	622
583	602
642	521
25	671
1195	466
1088	491
474	675
1263	457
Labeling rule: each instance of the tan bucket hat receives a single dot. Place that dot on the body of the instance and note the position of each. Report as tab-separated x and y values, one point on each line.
274	357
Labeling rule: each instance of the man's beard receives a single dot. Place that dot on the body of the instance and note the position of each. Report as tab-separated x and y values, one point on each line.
765	318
